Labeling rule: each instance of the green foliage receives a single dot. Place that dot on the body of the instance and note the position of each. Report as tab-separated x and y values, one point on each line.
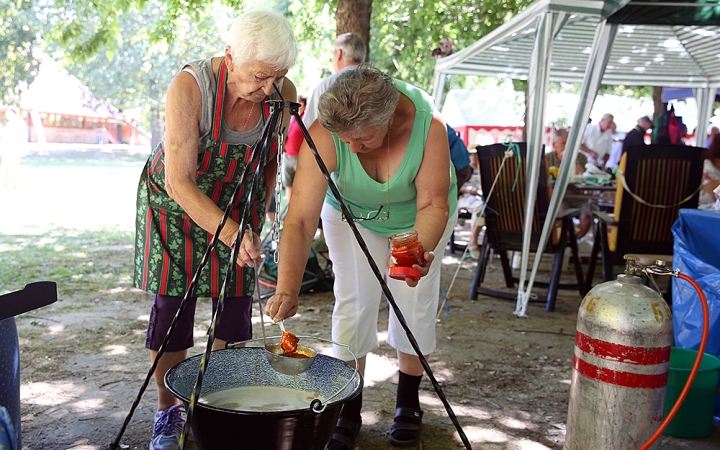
85	27
127	51
638	92
405	33
135	70
19	29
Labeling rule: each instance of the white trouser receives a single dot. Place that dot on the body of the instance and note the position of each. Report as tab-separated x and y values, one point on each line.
358	292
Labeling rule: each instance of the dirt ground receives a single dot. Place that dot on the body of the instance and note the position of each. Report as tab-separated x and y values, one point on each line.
507	379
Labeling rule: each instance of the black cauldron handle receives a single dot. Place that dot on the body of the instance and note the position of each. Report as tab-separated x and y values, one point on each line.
327	400
317	406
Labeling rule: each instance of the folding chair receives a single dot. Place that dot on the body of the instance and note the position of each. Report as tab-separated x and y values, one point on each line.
504	222
655	182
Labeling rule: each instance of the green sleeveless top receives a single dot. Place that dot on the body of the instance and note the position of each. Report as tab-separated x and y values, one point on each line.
364	195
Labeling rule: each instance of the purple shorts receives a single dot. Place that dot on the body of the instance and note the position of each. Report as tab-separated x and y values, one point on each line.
235	324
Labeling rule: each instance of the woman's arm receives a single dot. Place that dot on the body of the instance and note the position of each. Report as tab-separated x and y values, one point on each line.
433	184
182	114
301	222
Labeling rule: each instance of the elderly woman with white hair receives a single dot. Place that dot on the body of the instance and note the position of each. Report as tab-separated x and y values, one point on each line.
386	147
214	113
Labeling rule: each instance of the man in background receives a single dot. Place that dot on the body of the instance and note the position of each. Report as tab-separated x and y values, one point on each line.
460	157
636	136
597	141
616	149
12	146
348	54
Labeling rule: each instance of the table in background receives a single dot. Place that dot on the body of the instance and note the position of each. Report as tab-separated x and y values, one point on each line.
601	195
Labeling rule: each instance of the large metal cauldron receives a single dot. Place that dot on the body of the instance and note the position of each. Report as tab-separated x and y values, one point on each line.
304	429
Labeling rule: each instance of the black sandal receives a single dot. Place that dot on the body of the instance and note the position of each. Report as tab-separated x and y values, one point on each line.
407	422
346	431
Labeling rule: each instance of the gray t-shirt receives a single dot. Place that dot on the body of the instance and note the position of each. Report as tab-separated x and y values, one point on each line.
311	110
205	78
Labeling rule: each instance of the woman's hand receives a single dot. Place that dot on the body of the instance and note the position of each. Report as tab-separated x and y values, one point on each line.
424	269
249	250
281	306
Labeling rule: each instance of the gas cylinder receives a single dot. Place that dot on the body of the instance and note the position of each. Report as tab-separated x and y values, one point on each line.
620	367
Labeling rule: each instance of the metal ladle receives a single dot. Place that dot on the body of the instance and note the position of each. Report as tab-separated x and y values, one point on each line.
274	352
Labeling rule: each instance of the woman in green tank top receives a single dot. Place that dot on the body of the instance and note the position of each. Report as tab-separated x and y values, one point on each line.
386	148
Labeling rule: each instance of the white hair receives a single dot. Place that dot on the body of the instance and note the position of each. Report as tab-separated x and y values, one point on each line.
263	35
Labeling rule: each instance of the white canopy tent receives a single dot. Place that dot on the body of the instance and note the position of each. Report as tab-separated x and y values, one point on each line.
631	42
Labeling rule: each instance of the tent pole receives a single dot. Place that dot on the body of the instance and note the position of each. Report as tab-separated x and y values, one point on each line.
705	100
538	84
602	44
439	79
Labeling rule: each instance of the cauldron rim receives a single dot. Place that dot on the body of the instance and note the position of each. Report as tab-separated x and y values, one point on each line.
282	413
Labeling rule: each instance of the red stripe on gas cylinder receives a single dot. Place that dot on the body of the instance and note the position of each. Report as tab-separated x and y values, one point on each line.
622	353
618	377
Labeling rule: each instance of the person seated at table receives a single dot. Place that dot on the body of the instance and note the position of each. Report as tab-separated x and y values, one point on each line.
553	159
711	176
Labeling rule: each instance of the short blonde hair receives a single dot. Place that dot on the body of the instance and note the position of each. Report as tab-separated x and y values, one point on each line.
263	35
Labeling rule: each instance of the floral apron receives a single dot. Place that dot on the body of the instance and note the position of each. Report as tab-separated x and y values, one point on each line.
168	244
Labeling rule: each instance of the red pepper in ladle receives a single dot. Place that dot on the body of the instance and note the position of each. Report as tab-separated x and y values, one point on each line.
288	341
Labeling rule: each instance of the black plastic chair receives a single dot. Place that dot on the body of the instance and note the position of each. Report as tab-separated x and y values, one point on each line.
504	222
663	179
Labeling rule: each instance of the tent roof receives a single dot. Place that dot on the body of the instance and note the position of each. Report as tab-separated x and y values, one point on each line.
646	50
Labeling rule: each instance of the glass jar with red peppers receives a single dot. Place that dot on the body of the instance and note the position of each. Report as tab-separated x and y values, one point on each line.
406	251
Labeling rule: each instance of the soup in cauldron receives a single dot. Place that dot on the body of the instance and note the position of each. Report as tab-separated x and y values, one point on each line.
260	398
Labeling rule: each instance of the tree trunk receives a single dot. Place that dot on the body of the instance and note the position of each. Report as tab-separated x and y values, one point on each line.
354	16
156	126
657	101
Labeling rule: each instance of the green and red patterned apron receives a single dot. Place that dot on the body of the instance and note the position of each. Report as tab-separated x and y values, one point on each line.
168	244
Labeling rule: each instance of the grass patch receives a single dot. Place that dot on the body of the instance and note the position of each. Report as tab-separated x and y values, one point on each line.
76	260
115	158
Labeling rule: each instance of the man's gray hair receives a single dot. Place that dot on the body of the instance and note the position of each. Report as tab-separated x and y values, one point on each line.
560	132
607	116
352	46
358	99
263	35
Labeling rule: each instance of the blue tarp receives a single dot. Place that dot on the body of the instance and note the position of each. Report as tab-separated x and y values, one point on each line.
696	253
669	93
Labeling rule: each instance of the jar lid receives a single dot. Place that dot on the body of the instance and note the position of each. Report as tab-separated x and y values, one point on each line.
401	273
